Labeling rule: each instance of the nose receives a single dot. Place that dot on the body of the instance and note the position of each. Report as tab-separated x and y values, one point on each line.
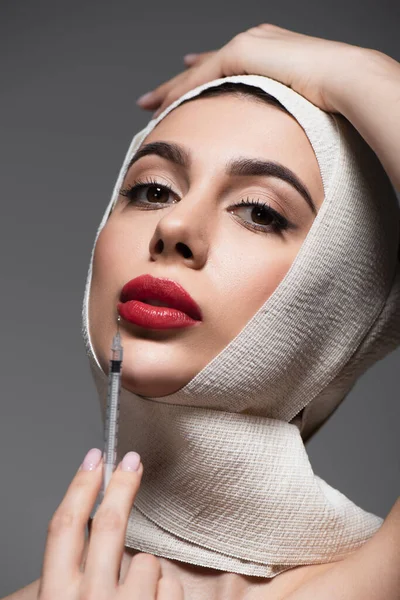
183	234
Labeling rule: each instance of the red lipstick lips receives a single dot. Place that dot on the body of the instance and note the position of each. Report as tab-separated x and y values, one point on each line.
157	304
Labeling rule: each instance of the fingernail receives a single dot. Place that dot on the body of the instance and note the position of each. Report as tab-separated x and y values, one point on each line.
190	57
92	460
130	462
145	98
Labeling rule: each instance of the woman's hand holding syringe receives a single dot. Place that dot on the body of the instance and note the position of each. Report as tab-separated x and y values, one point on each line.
79	569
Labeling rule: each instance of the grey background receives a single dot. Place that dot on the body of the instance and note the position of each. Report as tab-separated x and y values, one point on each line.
70	75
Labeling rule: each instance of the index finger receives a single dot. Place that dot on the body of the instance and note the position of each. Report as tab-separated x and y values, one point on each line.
206	70
184	81
65	537
106	547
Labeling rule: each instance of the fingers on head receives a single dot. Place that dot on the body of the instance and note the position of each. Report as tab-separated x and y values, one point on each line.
196	59
159	93
203	72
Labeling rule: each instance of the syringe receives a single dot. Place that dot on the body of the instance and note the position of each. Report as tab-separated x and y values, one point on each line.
112	416
112	419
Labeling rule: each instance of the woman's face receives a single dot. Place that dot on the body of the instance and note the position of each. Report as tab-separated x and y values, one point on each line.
229	259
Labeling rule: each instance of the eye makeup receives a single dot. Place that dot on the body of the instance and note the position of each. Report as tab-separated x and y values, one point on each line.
141	192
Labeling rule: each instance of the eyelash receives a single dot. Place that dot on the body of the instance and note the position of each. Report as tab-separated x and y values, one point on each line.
279	224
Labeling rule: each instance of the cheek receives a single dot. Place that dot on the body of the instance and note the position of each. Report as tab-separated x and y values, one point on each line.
115	256
104	267
107	280
255	279
105	258
106	283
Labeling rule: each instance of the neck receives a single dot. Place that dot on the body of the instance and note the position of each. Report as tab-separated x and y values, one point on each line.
231	491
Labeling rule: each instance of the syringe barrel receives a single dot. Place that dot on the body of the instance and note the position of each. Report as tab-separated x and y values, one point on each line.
107	474
112	417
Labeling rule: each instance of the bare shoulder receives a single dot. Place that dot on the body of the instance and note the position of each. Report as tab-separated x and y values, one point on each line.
29	592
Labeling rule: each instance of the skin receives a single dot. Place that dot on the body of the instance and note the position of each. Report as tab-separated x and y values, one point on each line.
242	267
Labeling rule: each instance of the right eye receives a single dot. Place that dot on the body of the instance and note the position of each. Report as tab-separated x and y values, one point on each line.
147	193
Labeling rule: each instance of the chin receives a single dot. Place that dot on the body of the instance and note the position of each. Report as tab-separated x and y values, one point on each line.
152	388
153	384
152	368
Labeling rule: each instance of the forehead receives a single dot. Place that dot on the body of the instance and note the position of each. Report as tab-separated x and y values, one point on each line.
217	128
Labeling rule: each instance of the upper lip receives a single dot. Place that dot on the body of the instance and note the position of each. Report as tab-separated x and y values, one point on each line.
147	287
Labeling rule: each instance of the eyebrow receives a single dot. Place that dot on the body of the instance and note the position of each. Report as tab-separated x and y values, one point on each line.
242	166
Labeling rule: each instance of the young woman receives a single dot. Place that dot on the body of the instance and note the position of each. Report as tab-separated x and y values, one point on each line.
234	232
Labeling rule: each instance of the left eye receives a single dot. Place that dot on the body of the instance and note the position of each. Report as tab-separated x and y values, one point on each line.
261	215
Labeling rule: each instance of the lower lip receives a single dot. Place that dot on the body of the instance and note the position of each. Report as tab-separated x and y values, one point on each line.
154	317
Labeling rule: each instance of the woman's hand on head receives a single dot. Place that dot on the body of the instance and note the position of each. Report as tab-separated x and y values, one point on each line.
79	569
311	66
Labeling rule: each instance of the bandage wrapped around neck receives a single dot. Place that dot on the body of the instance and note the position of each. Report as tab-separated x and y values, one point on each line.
227	482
